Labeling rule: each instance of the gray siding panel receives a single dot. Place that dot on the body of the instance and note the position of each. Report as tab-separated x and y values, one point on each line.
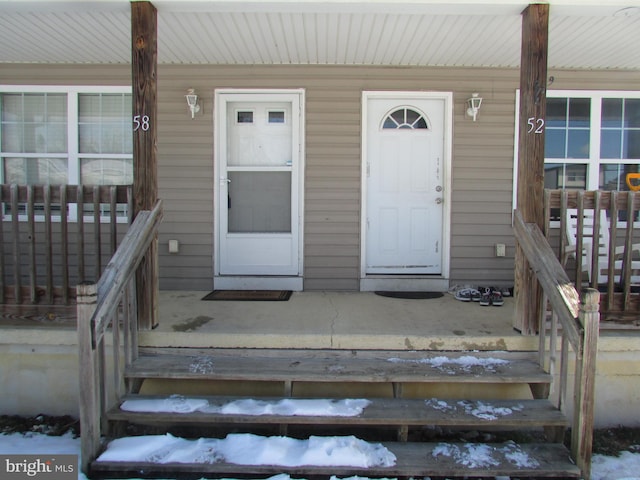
482	153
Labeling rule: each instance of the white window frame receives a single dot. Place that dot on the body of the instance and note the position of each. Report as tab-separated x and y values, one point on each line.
593	161
73	154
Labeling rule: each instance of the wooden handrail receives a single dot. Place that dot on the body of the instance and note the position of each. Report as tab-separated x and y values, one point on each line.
554	280
123	265
97	309
579	318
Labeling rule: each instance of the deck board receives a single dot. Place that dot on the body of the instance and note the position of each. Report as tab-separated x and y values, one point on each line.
413	459
337	366
380	412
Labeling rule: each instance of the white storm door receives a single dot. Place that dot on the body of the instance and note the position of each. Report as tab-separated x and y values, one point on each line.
405	152
258	185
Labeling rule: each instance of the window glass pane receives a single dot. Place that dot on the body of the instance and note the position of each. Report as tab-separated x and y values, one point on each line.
276	117
614	177
611	112
405	118
556	115
632	113
579	112
245	117
555	143
34	107
103	123
112	138
56	138
100	171
89	108
31	171
412	116
611	144
421	124
89	136
34	123
578	144
563	175
12	107
389	123
632	144
398	116
12	138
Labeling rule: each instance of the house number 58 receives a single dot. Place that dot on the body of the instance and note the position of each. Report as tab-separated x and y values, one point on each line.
536	125
140	122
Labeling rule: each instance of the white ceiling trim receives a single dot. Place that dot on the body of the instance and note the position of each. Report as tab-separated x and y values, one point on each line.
582	34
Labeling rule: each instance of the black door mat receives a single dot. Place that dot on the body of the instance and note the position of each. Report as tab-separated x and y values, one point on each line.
250	295
411	295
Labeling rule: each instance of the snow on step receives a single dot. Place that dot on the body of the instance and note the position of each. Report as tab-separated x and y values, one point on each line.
248	449
252	454
284	407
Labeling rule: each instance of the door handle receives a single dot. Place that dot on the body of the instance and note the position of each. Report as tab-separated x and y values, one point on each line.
224	180
439	200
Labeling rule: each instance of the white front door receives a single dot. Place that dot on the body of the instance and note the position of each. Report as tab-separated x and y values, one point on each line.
405	185
258	182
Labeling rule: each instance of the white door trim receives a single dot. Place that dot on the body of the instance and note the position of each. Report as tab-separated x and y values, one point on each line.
404	282
221	98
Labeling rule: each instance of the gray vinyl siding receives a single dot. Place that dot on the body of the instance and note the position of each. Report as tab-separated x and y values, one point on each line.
482	168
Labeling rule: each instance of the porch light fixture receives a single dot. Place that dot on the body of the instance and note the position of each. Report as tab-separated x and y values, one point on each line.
192	101
473	105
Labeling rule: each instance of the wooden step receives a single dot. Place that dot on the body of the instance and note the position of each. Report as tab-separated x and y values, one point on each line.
521	414
339	366
412	459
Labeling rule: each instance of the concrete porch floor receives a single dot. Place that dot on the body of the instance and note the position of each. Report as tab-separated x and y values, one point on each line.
334	320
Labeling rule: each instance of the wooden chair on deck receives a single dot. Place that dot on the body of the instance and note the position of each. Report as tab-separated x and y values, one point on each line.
602	249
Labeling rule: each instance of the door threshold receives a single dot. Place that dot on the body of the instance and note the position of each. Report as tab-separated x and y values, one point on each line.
404	284
258	283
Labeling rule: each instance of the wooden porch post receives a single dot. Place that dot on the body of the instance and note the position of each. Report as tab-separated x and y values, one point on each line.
530	185
144	28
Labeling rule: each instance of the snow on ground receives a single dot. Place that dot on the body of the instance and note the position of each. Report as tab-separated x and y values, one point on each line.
625	467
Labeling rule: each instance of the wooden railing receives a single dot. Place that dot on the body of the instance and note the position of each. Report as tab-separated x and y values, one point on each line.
110	303
574	324
53	237
613	265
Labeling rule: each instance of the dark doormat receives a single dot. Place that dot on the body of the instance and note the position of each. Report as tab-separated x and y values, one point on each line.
411	295
250	295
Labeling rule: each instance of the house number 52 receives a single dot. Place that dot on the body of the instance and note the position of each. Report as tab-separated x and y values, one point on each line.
140	122
536	125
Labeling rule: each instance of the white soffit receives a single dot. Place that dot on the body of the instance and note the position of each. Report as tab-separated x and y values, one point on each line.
582	34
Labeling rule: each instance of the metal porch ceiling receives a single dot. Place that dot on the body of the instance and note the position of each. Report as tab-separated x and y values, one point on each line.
582	35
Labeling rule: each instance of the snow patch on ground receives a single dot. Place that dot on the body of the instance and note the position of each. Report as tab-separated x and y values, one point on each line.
289	407
248	449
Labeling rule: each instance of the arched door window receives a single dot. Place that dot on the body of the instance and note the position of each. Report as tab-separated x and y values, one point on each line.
405	117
